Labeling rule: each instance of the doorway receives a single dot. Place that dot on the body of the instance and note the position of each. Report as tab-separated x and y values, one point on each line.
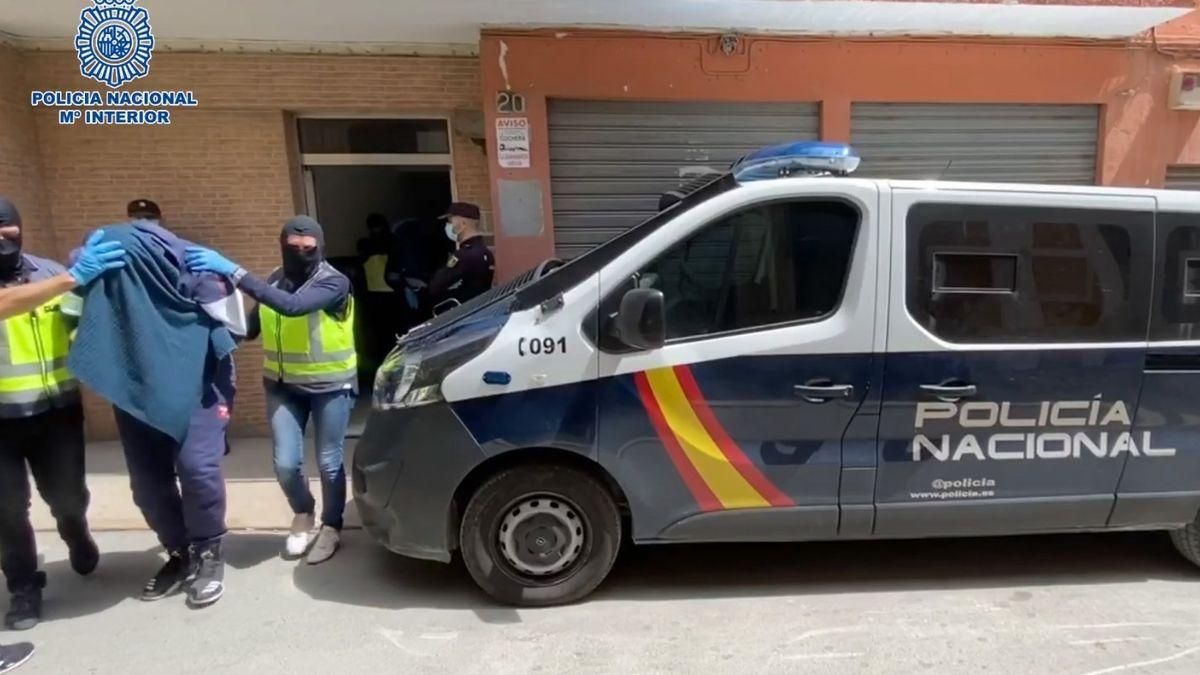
400	169
343	197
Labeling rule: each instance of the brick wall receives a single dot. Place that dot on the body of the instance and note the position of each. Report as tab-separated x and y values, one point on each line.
20	169
224	172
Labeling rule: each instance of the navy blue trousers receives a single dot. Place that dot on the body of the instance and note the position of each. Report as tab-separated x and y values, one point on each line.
192	510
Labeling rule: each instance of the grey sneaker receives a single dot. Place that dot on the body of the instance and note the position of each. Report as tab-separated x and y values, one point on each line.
328	540
14	655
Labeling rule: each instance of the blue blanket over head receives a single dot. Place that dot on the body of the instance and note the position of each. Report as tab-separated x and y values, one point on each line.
143	336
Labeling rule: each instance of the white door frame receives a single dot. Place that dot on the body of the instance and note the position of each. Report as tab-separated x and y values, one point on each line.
308	160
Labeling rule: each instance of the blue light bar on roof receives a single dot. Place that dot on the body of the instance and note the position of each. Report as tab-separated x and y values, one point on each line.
802	157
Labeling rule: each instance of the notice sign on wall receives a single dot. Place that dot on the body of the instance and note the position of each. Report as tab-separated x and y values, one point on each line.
512	142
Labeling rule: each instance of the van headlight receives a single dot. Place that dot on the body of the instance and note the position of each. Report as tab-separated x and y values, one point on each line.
403	382
412	373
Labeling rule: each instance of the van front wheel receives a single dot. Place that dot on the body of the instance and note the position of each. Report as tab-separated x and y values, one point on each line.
540	535
1187	540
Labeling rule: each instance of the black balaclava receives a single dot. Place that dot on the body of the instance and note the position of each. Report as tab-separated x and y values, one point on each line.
10	249
377	233
299	265
377	225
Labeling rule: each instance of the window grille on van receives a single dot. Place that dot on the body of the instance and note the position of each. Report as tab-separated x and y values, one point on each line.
1191	284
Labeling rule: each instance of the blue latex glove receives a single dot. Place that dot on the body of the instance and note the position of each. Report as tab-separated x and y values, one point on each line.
97	257
200	260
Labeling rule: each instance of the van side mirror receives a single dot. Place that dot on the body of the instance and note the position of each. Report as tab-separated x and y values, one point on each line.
641	319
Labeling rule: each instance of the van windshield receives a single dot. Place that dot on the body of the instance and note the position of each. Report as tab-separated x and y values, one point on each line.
578	269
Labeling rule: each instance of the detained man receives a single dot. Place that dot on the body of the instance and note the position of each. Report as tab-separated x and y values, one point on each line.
157	342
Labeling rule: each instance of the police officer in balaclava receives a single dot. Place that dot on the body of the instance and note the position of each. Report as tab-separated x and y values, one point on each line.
41	426
304	296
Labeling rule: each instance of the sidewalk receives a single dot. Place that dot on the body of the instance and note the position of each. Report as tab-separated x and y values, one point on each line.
255	501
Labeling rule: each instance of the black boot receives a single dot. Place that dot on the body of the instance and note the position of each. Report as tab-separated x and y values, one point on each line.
83	552
170	578
208	583
25	605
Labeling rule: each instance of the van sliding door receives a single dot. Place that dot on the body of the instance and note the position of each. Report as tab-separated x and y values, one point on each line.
1016	346
1162	487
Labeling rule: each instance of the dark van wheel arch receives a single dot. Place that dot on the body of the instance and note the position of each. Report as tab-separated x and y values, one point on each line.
537	535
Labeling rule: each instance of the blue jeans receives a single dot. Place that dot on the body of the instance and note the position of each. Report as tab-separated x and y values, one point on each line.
289	413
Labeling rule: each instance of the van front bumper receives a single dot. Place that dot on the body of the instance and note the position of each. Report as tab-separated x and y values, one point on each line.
407	466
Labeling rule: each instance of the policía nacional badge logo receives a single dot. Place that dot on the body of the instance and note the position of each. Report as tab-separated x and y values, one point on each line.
114	42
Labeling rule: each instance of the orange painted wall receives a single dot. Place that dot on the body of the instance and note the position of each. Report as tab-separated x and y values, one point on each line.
1139	134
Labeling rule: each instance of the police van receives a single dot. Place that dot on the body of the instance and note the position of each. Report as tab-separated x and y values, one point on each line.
788	353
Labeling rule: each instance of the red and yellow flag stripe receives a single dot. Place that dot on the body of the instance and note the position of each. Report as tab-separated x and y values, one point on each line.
713	466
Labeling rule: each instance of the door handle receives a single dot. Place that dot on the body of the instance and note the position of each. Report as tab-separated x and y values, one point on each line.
821	393
950	391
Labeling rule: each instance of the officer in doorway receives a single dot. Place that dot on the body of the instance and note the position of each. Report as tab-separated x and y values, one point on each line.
382	307
374	250
470	269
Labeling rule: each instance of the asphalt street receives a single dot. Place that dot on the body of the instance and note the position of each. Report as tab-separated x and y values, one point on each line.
1083	604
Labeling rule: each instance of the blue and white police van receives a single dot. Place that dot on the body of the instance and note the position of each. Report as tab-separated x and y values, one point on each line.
788	353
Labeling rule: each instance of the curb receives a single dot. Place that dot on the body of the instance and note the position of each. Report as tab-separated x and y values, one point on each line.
251	505
253	498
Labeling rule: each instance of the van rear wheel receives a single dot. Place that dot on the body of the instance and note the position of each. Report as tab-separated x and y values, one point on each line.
1187	540
540	535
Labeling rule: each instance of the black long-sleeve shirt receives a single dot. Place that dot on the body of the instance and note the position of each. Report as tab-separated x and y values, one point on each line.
467	273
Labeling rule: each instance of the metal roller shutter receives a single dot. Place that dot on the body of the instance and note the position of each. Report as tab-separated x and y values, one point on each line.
984	142
1183	177
610	161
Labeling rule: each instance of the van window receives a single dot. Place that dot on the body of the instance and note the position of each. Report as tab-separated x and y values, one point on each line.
1176	313
774	263
998	274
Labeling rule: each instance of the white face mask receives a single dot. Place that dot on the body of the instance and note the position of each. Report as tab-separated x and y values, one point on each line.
450	232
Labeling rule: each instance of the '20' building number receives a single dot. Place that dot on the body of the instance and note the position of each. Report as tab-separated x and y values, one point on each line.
510	103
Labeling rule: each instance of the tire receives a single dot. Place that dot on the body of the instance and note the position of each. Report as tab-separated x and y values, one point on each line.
1187	541
563	516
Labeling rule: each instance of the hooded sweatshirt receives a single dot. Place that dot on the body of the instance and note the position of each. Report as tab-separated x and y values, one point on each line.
146	342
292	291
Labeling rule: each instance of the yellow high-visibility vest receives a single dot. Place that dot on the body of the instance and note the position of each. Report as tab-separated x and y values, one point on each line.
316	348
33	357
375	270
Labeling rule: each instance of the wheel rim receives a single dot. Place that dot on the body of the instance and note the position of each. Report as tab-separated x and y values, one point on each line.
542	535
